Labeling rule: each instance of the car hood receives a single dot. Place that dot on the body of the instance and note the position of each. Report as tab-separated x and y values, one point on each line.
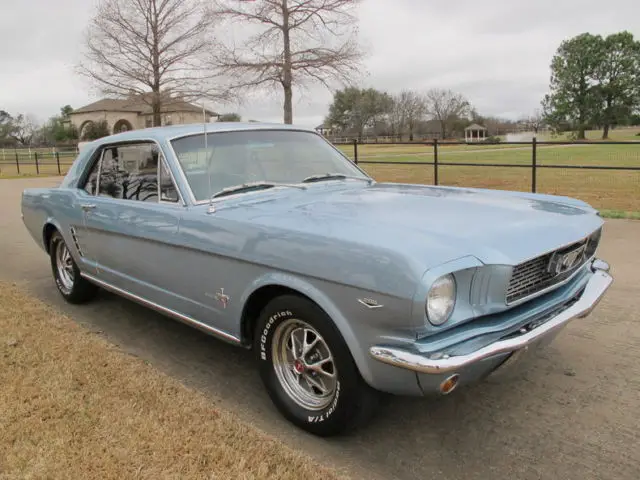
437	224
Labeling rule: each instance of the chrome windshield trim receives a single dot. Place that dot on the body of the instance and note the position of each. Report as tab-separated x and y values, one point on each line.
183	175
440	363
173	180
167	311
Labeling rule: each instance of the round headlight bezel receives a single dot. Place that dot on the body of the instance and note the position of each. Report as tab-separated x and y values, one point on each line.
436	314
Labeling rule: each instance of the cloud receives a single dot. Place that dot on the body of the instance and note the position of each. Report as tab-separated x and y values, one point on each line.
495	52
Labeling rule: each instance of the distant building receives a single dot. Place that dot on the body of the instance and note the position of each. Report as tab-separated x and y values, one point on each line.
135	112
325	129
475	133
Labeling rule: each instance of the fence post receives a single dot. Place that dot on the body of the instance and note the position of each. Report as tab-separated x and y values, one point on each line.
355	151
534	165
435	161
37	166
17	163
58	162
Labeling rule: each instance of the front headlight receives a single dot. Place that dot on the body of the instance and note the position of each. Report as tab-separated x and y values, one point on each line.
441	299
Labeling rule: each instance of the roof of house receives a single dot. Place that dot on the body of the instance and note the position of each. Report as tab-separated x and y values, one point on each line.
475	126
138	105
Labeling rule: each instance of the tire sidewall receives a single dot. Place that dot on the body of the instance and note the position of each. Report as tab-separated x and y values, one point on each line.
336	415
56	239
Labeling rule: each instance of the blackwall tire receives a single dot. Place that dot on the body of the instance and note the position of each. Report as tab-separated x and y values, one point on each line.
71	285
308	369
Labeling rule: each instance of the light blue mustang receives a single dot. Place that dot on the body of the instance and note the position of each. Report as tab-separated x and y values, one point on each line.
268	237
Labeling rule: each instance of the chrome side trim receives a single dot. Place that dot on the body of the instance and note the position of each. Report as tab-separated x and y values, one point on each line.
439	363
167	311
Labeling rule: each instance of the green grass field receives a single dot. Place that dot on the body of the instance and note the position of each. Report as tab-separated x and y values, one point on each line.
624	134
614	190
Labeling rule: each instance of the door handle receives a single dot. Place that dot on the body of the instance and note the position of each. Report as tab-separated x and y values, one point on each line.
88	206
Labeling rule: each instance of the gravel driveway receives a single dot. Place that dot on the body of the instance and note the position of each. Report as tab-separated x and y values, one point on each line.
572	412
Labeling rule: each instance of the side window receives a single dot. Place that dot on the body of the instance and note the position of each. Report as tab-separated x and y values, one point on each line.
92	180
110	174
168	191
130	172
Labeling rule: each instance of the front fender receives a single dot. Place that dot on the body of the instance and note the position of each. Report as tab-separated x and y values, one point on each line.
360	327
304	287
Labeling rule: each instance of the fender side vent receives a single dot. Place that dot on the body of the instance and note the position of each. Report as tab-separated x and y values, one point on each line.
75	241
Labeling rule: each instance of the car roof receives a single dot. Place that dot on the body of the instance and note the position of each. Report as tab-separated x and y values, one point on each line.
168	132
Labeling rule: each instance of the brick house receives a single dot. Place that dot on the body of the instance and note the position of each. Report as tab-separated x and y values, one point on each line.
134	113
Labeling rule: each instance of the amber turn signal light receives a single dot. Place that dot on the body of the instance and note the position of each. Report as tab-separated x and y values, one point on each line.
449	384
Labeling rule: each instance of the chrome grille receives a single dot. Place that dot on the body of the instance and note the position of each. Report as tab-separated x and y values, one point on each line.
532	276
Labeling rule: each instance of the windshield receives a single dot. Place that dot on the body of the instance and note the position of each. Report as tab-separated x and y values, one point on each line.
242	157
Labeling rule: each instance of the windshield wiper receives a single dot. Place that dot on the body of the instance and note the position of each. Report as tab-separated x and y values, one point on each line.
333	176
250	187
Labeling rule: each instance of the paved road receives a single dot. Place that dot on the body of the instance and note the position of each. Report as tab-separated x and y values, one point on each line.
572	413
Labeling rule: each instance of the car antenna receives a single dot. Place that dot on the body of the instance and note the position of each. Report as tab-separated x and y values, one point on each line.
212	208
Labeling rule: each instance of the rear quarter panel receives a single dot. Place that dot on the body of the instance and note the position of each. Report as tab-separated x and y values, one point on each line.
56	206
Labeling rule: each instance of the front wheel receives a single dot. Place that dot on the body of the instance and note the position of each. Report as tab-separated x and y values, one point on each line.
308	370
66	273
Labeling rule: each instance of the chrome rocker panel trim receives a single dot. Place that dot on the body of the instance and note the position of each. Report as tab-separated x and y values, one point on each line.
164	310
593	292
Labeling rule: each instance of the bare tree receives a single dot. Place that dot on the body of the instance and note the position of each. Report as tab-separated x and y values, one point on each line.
149	49
446	107
535	122
24	128
299	41
412	108
395	118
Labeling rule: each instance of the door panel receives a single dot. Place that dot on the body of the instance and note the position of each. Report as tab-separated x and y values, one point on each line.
132	237
135	241
128	232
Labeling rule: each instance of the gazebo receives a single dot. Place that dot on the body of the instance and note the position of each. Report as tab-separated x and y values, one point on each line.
475	133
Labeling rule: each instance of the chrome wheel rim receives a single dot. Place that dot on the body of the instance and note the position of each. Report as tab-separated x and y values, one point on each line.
64	267
304	364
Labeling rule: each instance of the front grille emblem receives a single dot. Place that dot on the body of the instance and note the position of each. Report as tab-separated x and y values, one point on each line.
563	262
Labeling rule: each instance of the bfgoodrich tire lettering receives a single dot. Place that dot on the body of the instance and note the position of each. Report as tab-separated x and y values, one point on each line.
331	397
66	273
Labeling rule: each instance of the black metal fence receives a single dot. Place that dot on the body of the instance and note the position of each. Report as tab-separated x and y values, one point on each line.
17	162
606	174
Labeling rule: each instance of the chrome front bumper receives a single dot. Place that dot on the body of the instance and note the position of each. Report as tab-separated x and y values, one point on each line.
593	292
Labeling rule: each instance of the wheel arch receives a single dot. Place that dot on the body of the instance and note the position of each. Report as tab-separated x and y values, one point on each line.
261	292
47	232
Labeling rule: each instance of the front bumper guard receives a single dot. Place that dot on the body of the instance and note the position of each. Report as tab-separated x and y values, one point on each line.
593	292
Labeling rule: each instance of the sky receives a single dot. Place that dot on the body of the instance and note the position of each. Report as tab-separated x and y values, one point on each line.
495	52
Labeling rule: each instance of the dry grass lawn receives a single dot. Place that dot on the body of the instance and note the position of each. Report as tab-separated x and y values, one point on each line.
74	406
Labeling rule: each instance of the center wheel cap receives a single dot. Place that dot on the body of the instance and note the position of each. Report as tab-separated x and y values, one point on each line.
298	366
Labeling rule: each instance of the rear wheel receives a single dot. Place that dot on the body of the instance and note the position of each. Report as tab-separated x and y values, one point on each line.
308	370
66	274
